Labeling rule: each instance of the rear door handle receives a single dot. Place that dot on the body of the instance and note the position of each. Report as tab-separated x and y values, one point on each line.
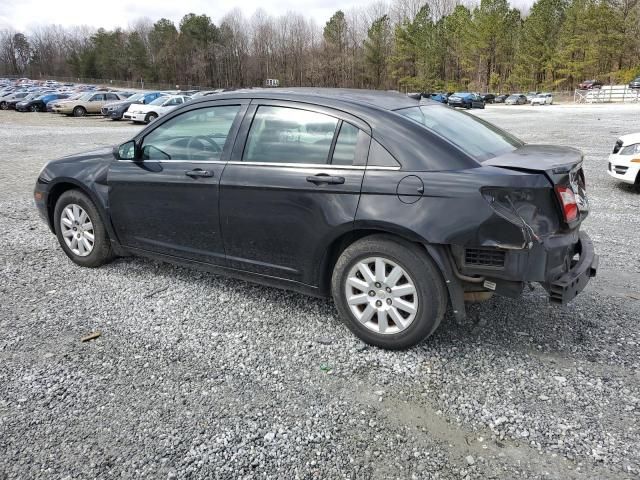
324	178
198	172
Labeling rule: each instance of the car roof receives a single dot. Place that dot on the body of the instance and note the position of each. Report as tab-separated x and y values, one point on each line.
376	98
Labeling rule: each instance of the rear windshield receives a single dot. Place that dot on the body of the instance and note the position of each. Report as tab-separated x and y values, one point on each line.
477	138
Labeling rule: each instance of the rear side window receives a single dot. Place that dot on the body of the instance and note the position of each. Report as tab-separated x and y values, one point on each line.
289	135
112	96
346	145
477	138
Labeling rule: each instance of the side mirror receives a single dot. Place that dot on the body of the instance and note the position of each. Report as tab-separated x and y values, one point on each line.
126	151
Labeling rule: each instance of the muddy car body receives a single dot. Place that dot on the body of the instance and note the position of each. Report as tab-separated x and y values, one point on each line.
394	207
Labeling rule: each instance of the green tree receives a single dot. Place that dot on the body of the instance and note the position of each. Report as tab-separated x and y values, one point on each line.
537	58
377	47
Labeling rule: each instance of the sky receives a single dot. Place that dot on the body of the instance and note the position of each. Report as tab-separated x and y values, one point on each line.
24	15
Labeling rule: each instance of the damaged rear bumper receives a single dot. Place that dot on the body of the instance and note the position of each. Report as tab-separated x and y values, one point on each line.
568	285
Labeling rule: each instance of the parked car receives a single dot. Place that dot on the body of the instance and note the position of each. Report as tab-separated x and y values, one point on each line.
439	97
635	83
39	102
624	161
70	97
516	99
115	110
466	100
531	95
542	99
488	97
589	84
148	113
9	102
88	103
500	98
334	193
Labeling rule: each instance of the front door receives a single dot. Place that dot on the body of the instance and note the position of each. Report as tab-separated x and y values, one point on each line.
291	188
166	200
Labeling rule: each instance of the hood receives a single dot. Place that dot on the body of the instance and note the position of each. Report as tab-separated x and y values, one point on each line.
139	107
630	139
91	154
120	103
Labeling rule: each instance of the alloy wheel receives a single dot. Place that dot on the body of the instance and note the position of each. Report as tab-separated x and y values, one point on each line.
381	295
77	230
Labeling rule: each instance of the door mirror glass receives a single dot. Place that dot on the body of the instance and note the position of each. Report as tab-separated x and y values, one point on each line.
126	151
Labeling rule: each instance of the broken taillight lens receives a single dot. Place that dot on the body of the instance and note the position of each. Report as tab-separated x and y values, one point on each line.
568	203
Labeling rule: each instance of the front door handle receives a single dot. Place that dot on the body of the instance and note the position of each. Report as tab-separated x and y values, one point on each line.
324	178
198	172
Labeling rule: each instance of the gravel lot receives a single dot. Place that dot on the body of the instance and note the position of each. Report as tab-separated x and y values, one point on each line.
197	376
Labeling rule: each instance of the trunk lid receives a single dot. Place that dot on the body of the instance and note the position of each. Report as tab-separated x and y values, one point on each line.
561	165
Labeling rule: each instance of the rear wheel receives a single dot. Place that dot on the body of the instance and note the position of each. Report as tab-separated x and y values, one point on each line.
388	291
80	230
79	112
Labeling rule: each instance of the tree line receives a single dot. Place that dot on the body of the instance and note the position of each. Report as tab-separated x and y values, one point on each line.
408	45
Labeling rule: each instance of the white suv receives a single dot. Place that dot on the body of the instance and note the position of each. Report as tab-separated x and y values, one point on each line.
624	162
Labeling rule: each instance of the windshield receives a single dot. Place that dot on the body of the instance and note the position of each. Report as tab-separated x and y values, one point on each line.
477	138
158	101
137	97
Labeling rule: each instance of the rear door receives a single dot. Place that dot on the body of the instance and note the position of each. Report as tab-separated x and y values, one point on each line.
291	187
166	201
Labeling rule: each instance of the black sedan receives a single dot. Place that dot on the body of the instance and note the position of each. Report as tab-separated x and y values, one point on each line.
466	100
394	207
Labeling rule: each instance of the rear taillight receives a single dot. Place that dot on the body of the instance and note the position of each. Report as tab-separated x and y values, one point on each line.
568	203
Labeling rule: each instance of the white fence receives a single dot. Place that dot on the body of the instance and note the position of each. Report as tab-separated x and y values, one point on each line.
607	94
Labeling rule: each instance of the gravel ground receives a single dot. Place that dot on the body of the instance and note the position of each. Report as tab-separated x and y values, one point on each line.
198	376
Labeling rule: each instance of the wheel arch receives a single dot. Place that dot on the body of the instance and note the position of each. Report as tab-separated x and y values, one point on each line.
436	252
343	241
66	184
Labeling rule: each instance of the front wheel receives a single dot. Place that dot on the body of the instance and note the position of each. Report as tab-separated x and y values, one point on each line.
4	106
389	292
80	230
79	112
35	108
151	117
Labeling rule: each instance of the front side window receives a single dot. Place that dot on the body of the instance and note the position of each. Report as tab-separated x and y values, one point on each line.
197	135
289	135
477	138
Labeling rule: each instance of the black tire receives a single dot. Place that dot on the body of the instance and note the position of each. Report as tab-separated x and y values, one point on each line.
79	111
35	108
4	106
150	117
430	289
102	252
